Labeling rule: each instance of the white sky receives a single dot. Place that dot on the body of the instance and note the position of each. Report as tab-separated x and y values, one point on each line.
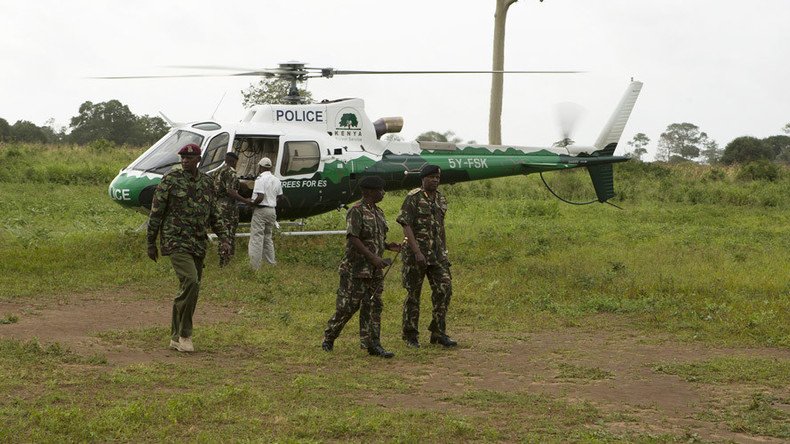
723	65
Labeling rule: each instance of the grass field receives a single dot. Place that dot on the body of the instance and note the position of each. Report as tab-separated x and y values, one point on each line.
556	307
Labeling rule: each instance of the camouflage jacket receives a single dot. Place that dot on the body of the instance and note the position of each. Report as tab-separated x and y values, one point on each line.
225	179
367	223
182	211
425	216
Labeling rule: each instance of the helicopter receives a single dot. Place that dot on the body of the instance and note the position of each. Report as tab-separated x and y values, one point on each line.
320	151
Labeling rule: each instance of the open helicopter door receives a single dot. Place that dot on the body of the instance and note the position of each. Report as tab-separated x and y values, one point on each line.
214	153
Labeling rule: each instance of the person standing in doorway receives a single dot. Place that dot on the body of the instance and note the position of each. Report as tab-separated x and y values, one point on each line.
264	217
226	183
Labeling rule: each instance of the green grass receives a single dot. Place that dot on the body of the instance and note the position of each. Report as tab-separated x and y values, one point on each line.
9	319
696	254
760	414
573	371
772	372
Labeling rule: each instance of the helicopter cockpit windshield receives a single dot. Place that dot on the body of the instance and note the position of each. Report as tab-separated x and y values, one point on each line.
161	158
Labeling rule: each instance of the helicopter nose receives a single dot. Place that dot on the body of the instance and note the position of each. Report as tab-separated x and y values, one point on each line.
132	190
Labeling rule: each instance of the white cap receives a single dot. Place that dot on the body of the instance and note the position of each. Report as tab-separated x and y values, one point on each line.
265	162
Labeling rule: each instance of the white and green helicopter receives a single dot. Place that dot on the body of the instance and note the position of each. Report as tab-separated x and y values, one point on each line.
321	151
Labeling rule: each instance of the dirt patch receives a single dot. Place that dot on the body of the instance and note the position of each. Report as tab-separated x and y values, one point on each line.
612	366
76	321
652	402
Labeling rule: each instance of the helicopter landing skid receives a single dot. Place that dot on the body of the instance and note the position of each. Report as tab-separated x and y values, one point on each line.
299	224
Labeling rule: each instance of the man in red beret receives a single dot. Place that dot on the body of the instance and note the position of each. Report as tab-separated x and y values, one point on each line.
184	207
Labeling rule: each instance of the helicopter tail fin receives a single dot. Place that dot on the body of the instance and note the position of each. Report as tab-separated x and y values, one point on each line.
601	173
603	180
614	127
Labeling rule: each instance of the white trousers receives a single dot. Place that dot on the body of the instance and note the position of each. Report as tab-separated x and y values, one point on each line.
261	245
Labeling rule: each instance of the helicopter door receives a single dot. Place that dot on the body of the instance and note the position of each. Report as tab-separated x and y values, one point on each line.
298	163
215	153
299	158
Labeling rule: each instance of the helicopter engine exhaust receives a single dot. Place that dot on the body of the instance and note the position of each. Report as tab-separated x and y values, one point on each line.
387	125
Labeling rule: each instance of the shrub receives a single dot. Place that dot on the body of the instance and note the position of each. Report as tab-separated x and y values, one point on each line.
759	170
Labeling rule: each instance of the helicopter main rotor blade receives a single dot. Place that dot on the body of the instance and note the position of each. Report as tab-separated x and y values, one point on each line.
217	67
329	72
177	76
295	71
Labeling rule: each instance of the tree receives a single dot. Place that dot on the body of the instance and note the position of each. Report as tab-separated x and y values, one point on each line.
148	130
786	128
638	144
746	149
112	121
434	136
271	91
681	141
778	144
26	131
54	135
5	130
711	154
497	80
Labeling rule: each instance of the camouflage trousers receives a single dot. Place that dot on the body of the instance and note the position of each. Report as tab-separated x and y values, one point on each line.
357	294
441	284
230	218
189	270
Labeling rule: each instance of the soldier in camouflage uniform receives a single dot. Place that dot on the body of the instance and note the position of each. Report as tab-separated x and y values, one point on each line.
361	276
184	207
422	217
227	185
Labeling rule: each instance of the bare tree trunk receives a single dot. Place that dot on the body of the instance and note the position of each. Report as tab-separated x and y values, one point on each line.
495	113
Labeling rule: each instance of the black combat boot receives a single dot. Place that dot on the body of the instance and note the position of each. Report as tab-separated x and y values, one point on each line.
328	345
443	340
411	342
378	350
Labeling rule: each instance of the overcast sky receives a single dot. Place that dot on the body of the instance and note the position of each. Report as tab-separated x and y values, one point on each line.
723	65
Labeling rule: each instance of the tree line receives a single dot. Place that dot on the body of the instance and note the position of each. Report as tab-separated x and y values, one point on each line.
111	121
685	142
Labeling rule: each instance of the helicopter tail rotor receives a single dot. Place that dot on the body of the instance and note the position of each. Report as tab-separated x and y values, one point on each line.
568	115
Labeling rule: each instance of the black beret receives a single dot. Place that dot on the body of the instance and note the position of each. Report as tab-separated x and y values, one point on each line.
372	182
232	154
429	169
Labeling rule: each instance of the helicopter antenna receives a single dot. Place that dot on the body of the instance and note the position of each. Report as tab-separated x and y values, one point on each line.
559	197
218	104
167	119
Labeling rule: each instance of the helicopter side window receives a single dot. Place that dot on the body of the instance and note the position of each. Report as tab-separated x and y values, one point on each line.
300	158
163	156
215	153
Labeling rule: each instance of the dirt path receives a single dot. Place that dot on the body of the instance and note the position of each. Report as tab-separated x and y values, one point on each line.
535	363
655	403
75	322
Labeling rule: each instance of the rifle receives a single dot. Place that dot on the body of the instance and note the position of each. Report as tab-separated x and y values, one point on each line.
394	259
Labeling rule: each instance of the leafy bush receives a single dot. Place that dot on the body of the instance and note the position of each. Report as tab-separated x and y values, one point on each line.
760	170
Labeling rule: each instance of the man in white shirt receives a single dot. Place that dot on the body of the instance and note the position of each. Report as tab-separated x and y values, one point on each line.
264	218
